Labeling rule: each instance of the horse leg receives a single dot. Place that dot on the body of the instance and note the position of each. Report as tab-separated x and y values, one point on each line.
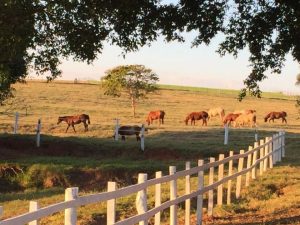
138	137
67	128
73	128
283	119
85	126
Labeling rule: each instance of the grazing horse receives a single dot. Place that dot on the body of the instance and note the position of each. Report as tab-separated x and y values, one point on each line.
216	112
71	120
244	119
276	115
129	130
231	117
193	116
154	115
244	111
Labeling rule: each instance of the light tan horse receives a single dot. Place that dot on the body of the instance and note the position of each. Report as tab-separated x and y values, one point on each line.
216	112
246	119
244	111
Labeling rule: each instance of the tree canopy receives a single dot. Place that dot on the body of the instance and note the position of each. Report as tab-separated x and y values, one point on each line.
39	33
135	81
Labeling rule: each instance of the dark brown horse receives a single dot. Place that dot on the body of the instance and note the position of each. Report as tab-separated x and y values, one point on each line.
129	130
231	117
276	115
71	120
154	115
193	116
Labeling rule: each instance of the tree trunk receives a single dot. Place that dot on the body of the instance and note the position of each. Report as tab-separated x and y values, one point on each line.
133	106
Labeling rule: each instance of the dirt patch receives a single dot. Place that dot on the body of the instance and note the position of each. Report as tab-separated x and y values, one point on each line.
95	179
162	154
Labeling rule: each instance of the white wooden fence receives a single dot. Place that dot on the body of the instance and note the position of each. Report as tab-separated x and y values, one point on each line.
252	163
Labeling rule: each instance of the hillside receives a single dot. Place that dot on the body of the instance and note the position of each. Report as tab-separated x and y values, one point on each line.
90	159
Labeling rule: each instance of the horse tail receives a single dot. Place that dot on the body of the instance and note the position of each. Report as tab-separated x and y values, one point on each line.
88	119
222	113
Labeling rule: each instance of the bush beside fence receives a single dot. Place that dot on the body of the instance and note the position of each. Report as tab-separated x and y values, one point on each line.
258	159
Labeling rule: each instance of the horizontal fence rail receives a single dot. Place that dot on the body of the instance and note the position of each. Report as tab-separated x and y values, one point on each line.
265	154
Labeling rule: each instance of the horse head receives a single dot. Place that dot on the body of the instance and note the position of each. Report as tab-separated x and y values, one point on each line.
60	119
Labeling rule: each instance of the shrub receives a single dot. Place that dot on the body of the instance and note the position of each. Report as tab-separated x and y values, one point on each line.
44	176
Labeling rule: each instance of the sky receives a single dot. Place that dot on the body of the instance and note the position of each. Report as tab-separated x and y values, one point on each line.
179	64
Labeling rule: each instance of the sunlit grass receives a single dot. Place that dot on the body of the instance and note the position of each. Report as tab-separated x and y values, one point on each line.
170	144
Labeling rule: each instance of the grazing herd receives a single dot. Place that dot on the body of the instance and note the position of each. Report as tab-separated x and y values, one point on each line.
238	118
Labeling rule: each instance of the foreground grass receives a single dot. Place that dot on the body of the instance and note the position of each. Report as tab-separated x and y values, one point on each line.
270	198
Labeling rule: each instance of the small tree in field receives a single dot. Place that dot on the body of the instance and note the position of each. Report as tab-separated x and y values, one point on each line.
135	81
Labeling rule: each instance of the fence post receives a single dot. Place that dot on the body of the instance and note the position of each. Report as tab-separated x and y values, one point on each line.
254	160
141	198
274	149
271	151
200	197
111	204
157	197
239	178
226	134
173	195
211	192
248	166
266	153
33	206
143	138
117	130
38	133
70	213
220	177
229	182
256	135
283	144
188	191
16	122
279	146
261	155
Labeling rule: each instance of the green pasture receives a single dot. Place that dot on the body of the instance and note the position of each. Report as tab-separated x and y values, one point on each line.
90	159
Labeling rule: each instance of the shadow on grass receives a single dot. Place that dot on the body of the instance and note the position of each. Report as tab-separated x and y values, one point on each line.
163	146
31	194
286	220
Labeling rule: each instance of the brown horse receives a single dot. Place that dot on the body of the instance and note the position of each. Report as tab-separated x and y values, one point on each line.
231	117
193	116
71	120
276	115
154	115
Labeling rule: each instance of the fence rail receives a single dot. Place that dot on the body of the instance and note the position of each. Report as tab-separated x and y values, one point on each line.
257	159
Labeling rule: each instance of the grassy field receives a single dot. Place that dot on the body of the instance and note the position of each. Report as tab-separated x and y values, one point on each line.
90	159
